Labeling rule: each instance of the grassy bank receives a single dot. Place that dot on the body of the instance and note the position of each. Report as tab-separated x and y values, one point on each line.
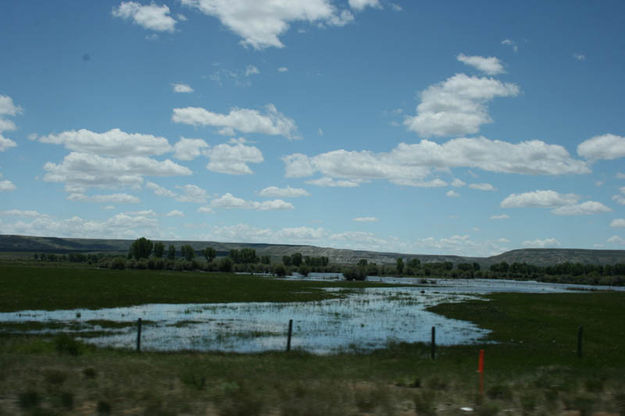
531	363
40	286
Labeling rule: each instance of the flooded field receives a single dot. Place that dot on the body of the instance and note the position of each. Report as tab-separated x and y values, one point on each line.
357	320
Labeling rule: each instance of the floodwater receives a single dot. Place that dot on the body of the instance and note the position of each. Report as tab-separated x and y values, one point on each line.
360	320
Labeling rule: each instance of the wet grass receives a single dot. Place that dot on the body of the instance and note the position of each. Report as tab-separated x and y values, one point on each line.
33	286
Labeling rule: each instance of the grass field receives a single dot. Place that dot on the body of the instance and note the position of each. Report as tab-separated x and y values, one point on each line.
531	363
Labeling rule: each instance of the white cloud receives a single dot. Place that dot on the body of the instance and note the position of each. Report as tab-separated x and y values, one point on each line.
360	5
188	193
233	158
482	186
457	105
81	170
365	219
128	225
618	223
151	17
332	183
541	199
499	217
229	201
6	144
585	208
159	190
110	198
175	213
458	183
272	122
191	193
579	56
260	22
619	199
510	43
606	147
20	213
189	149
288	192
452	194
7	125
283	69
615	239
490	65
538	243
7	107
412	164
251	70
6	185
114	142
396	7
182	88
562	204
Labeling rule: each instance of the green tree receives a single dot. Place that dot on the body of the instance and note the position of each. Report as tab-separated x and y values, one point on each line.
225	264
400	265
209	253
296	259
159	250
362	263
286	260
187	252
141	248
171	252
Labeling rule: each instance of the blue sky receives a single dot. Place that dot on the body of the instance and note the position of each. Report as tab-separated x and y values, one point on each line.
450	127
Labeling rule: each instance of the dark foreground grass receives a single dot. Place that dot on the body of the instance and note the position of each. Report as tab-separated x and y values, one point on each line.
32	286
532	368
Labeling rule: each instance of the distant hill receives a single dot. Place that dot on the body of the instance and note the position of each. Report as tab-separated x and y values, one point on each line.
536	256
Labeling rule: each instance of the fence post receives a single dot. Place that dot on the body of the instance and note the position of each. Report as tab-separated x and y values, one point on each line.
433	351
139	335
288	341
580	335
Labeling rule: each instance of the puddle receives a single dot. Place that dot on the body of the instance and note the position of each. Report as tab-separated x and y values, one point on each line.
362	320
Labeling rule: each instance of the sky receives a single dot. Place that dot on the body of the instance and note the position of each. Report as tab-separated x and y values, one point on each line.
456	127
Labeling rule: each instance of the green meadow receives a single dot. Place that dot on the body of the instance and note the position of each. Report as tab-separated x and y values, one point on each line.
531	361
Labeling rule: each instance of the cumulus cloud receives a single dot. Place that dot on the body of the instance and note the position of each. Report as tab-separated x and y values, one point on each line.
538	243
182	88
541	199
482	186
333	183
490	65
120	198
7	108
151	17
615	239
510	43
606	147
251	70
261	22
283	69
6	185
412	164
82	170
499	217
561	204
229	201
360	5
6	144
114	142
189	149
233	158
272	122
452	194
458	183
288	192
457	105
585	208
175	213
618	223
186	193
620	199
365	219
579	56
127	225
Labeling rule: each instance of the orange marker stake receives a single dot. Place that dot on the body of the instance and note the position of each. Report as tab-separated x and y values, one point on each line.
480	369
480	363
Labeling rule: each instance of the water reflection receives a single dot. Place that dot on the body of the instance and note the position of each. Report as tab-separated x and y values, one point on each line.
362	319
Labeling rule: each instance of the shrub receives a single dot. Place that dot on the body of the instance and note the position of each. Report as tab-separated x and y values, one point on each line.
118	263
29	399
65	344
